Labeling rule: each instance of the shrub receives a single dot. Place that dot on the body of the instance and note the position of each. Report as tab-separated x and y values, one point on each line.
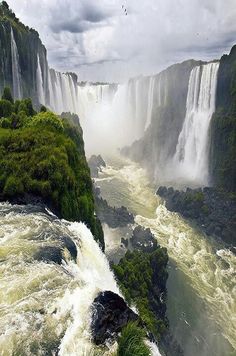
131	342
7	95
47	119
6	108
13	187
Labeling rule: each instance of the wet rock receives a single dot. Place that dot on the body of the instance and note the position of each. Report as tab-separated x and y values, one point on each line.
95	164
214	211
49	254
125	242
68	243
143	240
110	314
112	216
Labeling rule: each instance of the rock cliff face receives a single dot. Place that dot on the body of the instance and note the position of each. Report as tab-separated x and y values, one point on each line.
20	51
223	126
161	137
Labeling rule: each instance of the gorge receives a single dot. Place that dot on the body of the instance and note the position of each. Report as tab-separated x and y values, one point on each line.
168	146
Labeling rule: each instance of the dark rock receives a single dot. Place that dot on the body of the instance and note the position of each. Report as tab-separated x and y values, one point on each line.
110	314
125	242
214	211
49	254
70	245
143	240
95	164
112	216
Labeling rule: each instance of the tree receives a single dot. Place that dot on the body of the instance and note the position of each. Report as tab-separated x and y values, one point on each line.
7	95
6	108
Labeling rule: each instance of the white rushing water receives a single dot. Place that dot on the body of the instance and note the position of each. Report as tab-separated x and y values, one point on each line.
44	306
191	157
40	85
208	269
16	74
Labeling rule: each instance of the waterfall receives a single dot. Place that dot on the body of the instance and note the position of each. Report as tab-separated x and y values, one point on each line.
63	90
16	75
40	84
150	101
191	157
47	305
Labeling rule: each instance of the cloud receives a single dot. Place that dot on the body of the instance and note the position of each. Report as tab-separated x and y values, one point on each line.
115	39
78	17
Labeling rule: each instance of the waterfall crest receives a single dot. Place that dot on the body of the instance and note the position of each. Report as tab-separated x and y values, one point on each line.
16	75
191	157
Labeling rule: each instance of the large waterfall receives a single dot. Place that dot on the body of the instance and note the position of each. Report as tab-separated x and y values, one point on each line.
173	142
16	75
191	155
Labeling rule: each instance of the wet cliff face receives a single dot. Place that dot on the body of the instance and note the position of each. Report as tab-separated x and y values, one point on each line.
169	108
223	126
20	61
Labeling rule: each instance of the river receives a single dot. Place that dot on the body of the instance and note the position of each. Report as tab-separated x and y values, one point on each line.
202	271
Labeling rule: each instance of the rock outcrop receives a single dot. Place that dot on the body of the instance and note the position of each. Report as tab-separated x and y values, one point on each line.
95	164
212	210
110	314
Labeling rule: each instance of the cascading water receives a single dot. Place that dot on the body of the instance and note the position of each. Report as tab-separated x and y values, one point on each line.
46	306
191	157
16	75
150	101
40	85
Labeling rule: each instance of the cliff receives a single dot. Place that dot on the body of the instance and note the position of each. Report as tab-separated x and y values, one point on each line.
159	141
20	50
42	161
223	126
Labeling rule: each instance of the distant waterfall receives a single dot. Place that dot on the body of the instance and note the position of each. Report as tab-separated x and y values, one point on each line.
40	86
63	91
16	75
191	155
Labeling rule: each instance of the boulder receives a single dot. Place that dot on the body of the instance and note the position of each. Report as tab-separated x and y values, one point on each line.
110	314
49	254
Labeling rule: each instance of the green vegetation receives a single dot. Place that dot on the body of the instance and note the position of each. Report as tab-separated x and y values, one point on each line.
223	126
131	342
42	155
142	278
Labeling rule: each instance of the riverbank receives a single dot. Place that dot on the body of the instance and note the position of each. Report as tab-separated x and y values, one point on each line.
211	209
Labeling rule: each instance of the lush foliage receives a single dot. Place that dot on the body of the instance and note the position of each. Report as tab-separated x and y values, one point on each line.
42	155
142	277
131	342
223	126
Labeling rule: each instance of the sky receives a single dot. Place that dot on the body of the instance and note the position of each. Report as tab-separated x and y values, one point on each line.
112	40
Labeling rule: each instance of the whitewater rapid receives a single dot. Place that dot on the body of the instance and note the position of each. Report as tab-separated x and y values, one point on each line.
206	266
45	307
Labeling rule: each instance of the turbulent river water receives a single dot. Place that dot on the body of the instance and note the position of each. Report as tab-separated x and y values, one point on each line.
202	271
45	307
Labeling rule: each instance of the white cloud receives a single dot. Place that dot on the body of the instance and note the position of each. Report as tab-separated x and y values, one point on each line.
100	42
